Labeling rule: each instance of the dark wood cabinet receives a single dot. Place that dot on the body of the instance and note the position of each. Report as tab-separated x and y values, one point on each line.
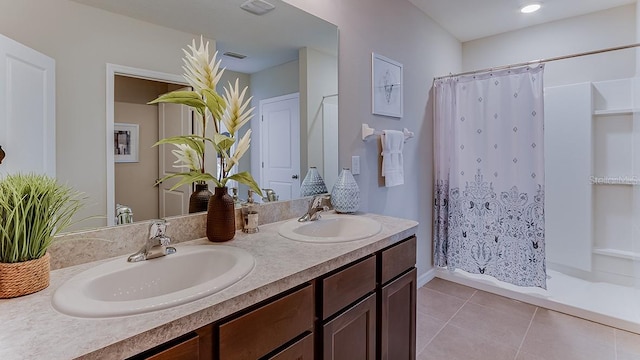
299	350
397	286
197	345
365	310
352	334
269	327
397	320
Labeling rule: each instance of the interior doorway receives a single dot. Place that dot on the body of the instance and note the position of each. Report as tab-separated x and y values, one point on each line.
132	183
280	145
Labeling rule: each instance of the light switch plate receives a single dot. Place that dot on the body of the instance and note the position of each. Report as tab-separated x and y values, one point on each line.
355	165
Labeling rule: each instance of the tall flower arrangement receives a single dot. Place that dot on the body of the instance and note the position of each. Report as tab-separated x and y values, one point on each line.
203	72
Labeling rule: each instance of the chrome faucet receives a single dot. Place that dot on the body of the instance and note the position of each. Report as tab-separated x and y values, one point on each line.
317	205
156	245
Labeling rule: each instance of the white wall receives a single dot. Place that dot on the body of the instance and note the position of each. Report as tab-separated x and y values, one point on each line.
400	31
594	31
82	40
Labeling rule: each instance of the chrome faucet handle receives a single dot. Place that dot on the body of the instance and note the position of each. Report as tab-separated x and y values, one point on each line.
157	228
164	240
320	201
316	206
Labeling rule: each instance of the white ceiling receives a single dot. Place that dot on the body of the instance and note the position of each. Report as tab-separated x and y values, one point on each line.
267	40
474	19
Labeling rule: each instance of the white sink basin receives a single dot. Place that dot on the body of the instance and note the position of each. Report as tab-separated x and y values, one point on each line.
331	228
119	288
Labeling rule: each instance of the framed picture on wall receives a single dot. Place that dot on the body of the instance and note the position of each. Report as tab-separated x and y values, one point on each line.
386	86
125	142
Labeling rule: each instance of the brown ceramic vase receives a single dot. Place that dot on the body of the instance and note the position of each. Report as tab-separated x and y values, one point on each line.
221	219
199	200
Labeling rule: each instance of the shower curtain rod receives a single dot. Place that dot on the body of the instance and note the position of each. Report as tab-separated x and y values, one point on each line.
540	61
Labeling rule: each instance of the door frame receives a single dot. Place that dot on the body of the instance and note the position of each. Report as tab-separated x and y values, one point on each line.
112	71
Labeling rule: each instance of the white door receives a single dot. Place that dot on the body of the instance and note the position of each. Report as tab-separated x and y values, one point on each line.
174	120
280	139
27	109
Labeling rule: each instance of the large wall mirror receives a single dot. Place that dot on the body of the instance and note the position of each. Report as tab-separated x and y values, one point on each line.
134	48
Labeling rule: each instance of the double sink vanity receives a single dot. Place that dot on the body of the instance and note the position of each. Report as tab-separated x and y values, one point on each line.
341	287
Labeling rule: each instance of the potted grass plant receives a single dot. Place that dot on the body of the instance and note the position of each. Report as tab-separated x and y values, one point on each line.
33	209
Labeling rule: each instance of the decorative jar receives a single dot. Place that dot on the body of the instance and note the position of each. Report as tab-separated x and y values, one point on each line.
312	183
345	195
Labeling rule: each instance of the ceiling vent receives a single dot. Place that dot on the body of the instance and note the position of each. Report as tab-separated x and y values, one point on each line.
234	55
257	7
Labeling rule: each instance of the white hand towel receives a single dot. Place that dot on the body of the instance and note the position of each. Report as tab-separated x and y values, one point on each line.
392	161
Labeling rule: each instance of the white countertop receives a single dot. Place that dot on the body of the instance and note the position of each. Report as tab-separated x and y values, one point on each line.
33	329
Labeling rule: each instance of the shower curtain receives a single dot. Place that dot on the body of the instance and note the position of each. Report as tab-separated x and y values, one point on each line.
489	175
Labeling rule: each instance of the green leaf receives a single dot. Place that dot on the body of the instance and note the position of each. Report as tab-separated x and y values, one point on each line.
194	142
189	98
223	142
188	178
214	102
245	178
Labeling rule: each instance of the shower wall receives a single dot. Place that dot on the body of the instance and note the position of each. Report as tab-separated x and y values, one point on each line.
588	137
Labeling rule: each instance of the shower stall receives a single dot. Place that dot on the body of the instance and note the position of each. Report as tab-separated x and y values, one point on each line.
592	195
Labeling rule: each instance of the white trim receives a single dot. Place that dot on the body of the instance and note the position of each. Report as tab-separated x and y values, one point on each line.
426	277
112	71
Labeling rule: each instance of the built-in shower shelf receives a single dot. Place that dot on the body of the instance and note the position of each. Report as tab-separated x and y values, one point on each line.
615	180
615	112
623	254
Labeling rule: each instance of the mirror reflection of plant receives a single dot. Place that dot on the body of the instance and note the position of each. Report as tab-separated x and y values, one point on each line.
230	110
33	209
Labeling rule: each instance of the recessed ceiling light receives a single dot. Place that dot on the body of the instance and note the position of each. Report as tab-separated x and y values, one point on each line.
527	9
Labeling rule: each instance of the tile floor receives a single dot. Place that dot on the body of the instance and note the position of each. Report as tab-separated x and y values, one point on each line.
456	322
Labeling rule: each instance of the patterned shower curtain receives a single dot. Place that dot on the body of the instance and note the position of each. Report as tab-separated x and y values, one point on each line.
489	169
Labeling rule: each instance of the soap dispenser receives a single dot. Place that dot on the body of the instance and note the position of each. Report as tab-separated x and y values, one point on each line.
250	215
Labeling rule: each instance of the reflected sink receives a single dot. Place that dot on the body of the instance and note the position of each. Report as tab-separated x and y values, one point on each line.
331	228
119	288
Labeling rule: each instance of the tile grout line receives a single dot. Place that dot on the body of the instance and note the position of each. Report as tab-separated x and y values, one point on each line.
615	344
448	321
526	332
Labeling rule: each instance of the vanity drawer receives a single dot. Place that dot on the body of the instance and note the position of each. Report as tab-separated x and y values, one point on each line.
187	350
397	259
348	285
300	350
255	334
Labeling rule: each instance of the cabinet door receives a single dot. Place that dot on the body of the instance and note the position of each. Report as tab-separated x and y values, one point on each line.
300	350
398	318
352	334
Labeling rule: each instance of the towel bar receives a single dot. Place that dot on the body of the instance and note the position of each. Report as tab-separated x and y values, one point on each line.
369	132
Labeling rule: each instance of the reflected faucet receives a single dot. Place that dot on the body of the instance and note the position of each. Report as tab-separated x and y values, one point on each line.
156	245
319	204
270	195
124	215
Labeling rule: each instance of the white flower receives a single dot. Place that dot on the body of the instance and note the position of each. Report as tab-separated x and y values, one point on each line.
235	115
187	157
200	72
242	147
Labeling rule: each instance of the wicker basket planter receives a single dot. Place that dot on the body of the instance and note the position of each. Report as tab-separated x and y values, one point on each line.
23	278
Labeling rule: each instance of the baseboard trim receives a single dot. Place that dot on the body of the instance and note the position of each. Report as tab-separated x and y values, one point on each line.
426	277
